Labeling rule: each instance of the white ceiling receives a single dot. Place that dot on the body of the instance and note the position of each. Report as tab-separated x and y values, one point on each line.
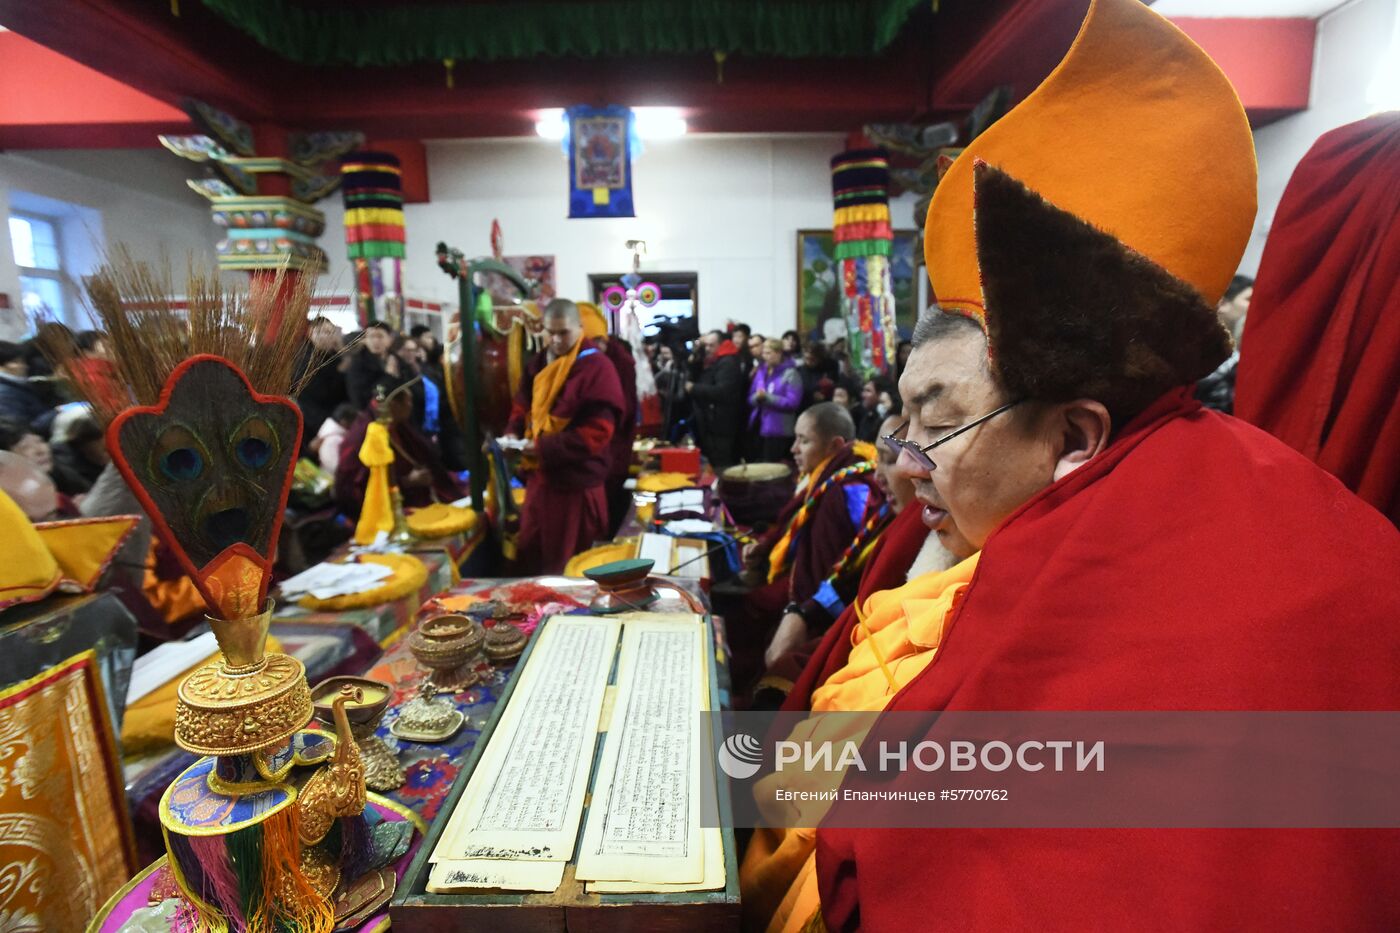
1310	9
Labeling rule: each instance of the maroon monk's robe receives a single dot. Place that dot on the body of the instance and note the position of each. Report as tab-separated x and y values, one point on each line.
566	508
886	569
830	528
411	450
1196	564
620	448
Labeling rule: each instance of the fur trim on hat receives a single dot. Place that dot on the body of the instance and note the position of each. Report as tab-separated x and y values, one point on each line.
1074	313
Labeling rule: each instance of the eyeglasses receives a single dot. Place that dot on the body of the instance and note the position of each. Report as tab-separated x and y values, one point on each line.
920	454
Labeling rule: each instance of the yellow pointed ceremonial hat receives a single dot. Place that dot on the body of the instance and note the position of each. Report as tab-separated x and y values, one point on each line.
594	321
1136	132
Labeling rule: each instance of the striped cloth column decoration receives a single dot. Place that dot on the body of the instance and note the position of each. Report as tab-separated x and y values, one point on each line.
863	241
374	233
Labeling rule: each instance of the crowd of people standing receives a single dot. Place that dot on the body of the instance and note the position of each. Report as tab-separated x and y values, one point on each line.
738	394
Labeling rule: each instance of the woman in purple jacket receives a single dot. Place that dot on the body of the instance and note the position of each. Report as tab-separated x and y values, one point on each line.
774	395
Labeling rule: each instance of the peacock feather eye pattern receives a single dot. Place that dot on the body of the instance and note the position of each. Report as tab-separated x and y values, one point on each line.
212	458
255	445
178	456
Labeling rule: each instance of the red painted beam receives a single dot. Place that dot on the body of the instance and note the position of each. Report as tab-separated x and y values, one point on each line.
1024	44
143	46
197	55
51	101
1269	61
1018	48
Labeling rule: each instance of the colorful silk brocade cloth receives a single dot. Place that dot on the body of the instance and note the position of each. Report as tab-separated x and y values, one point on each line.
864	242
374	233
600	146
65	840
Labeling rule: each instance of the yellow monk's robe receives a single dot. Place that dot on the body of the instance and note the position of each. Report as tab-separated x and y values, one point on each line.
899	635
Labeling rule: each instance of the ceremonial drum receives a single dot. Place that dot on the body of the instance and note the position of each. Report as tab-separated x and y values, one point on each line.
755	493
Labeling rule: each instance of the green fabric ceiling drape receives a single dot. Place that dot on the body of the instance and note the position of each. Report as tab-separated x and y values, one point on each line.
400	34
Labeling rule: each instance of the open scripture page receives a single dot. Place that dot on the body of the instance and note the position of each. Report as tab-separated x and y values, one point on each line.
524	801
644	823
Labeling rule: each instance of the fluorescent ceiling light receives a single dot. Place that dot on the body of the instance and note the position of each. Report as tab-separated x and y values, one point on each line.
659	122
652	123
551	124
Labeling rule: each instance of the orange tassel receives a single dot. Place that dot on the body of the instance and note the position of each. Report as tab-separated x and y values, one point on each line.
290	902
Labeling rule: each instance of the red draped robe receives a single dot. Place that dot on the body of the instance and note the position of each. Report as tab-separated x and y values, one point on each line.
1197	564
566	509
1320	355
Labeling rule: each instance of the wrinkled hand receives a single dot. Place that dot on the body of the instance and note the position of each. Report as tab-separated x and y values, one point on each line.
760	396
791	634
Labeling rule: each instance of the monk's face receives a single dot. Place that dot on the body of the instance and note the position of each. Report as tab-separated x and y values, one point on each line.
898	488
562	333
810	447
985	474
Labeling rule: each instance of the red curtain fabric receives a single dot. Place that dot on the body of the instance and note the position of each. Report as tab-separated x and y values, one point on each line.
1320	355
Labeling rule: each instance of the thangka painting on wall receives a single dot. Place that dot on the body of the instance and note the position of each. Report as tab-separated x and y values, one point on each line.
600	162
819	300
538	270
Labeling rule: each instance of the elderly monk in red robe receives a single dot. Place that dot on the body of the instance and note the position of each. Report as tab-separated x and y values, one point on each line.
1137	552
807	565
568	407
1320	356
864	659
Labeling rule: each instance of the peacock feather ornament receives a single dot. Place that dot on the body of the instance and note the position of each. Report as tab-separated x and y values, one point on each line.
201	429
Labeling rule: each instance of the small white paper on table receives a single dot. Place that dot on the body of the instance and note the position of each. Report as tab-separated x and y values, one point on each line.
657	549
680	500
689	526
164	663
327	580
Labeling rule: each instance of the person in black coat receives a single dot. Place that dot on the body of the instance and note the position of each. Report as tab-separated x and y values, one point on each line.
18	399
717	394
369	363
325	388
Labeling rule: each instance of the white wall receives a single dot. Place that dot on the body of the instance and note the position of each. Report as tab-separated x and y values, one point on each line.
1352	44
137	196
725	207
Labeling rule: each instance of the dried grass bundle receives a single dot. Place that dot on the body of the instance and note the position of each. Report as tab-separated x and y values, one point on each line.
258	330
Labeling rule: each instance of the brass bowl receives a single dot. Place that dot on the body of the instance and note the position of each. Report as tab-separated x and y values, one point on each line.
364	715
446	645
504	642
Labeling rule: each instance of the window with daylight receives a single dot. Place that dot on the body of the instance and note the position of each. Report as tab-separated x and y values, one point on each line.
34	242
